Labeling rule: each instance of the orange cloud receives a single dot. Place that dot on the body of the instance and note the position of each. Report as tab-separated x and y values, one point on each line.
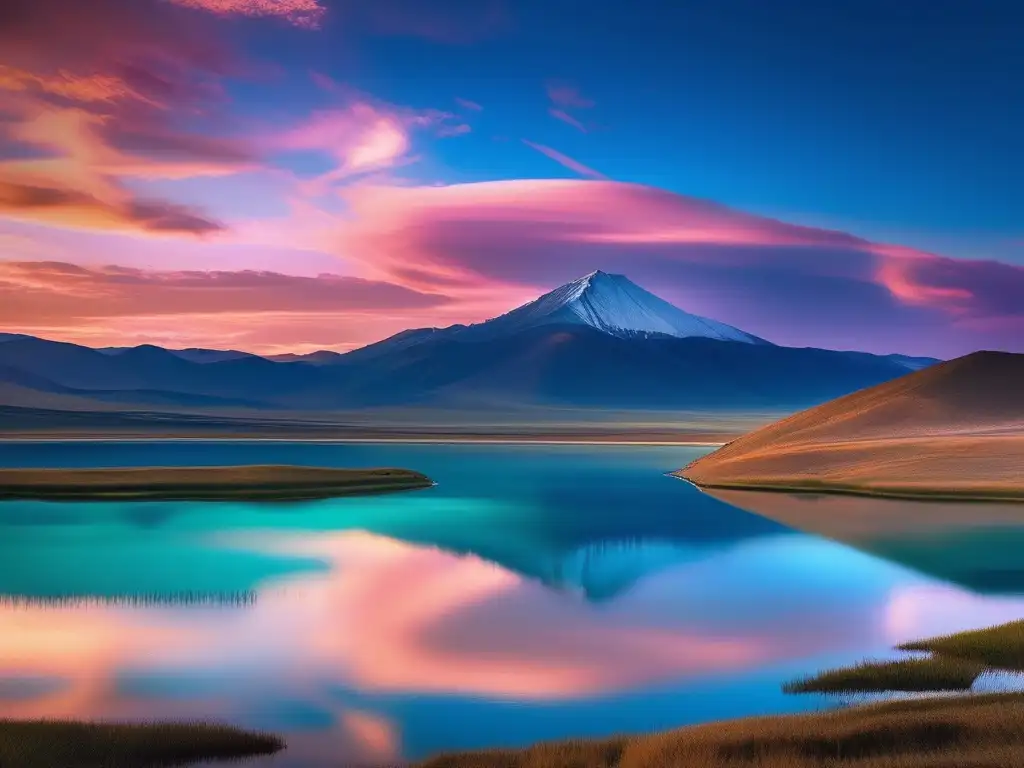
72	207
94	98
568	162
301	13
256	310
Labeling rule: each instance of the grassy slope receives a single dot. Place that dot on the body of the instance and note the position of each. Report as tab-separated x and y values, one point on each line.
955	430
976	732
83	745
204	483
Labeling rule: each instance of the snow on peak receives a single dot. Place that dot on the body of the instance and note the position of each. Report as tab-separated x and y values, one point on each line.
615	305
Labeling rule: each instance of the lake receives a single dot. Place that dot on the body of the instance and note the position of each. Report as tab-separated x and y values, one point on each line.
536	592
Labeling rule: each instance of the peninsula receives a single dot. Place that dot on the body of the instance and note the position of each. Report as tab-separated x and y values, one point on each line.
951	431
270	483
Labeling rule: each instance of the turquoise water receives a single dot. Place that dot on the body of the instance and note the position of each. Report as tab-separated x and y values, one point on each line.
536	592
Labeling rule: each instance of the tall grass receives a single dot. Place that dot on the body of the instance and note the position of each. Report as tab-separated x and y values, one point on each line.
932	674
961	732
62	744
1001	647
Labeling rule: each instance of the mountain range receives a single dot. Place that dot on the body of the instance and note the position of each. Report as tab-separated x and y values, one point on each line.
600	342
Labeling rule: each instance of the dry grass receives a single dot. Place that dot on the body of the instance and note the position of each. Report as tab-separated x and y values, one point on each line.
955	430
1001	647
204	483
930	674
961	732
57	744
937	467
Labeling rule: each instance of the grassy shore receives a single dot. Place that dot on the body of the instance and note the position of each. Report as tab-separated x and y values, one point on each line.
936	673
271	483
948	732
963	732
954	664
59	744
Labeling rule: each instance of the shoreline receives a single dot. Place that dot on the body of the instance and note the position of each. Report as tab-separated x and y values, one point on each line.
906	494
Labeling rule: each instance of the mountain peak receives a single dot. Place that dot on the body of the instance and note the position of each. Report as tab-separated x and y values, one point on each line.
615	305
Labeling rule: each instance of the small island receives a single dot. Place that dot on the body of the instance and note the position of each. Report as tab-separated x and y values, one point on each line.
954	431
235	483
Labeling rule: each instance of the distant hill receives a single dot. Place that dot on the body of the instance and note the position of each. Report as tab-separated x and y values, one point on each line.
598	342
193	354
954	428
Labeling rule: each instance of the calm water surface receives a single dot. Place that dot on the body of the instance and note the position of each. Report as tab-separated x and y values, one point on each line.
537	592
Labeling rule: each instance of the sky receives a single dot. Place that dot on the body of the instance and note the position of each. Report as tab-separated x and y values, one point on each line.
291	175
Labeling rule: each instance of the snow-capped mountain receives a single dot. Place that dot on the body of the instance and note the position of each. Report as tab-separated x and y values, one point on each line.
598	342
615	305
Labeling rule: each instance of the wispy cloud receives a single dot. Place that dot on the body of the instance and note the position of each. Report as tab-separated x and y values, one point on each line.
568	162
565	97
568	119
467	104
301	13
77	208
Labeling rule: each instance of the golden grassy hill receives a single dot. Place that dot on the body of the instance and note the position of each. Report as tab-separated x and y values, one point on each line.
954	429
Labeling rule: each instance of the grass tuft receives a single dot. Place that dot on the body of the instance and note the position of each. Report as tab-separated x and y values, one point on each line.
1001	647
937	673
67	744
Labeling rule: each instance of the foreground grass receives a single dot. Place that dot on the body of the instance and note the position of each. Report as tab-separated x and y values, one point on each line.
270	483
931	674
1001	647
57	744
962	732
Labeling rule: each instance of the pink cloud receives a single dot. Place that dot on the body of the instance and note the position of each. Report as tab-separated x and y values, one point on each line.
565	117
301	13
790	283
568	96
568	162
565	97
467	104
363	135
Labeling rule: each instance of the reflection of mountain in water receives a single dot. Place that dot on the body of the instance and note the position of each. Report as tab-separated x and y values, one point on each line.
604	570
598	543
591	522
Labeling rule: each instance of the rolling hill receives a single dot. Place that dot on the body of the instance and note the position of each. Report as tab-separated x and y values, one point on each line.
956	429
